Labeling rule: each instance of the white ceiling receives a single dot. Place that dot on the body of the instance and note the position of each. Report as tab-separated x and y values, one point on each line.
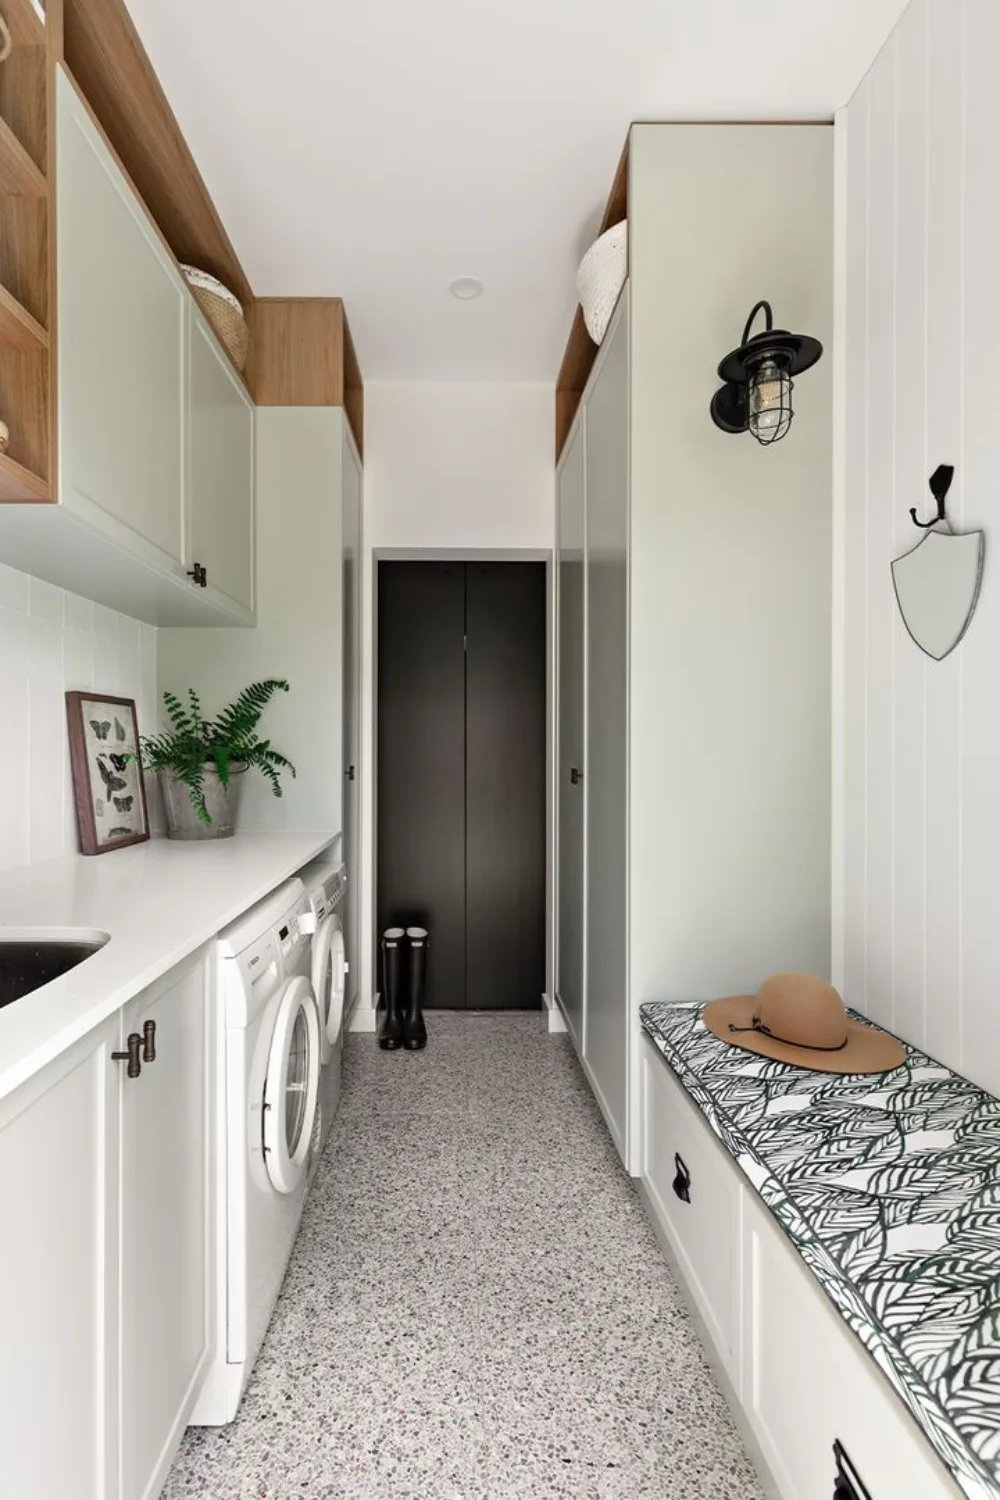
377	149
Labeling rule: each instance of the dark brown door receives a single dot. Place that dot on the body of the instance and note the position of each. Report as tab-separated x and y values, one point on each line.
461	774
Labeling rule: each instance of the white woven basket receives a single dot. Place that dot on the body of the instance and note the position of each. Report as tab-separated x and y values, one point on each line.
601	277
223	310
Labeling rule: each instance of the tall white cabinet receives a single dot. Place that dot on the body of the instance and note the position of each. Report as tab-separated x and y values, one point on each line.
693	808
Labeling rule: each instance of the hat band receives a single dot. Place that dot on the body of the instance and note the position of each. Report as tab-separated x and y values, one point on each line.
758	1025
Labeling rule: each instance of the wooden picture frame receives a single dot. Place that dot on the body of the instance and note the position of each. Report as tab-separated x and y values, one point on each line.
104	752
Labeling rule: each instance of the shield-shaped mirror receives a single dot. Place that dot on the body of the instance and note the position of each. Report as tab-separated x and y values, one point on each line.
937	588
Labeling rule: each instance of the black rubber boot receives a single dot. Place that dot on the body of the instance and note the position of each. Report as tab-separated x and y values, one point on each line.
414	1030
390	1023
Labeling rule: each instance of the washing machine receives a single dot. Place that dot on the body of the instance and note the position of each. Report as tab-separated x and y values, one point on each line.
268	1046
325	885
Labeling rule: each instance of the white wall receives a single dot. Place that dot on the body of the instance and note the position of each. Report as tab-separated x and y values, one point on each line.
52	642
447	466
919	940
298	630
459	465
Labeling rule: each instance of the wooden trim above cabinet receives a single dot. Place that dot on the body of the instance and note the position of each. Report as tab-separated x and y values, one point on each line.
305	356
581	351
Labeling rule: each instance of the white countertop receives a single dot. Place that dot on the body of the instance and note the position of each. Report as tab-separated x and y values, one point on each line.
159	901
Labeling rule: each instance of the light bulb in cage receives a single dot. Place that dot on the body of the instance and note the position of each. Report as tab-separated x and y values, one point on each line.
757	395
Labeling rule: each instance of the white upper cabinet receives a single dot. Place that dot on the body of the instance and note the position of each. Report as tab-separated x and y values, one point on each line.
121	347
220	471
155	429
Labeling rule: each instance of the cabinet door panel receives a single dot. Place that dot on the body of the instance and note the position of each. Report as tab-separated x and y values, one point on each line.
58	1271
607	435
165	1280
220	469
121	343
352	483
570	792
797	1346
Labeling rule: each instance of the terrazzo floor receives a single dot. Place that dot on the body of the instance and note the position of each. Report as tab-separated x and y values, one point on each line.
476	1307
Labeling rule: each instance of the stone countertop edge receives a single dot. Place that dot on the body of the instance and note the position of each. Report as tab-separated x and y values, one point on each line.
962	1464
160	902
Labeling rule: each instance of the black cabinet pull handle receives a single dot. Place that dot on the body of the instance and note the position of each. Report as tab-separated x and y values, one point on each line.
133	1042
575	775
199	574
149	1041
682	1181
349	773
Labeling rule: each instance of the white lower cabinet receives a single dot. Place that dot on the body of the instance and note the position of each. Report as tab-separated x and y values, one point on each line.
104	1253
801	1379
165	1225
699	1204
58	1278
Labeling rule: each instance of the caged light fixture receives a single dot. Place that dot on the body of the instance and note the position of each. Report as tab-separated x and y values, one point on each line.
757	395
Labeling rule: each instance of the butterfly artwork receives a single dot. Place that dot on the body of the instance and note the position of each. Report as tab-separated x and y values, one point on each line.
107	772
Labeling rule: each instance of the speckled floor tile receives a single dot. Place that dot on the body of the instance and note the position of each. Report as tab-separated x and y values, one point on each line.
476	1308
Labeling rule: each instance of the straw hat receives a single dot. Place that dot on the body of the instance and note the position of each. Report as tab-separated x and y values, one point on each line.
799	1019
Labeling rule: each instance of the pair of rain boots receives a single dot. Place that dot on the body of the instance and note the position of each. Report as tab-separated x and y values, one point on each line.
401	1022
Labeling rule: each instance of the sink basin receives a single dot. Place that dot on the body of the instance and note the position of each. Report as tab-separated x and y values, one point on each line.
32	956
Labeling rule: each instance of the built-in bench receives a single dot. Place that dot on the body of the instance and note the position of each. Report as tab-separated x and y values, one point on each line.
840	1239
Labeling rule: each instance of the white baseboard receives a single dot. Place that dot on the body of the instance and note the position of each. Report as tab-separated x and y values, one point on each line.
557	1021
363	1019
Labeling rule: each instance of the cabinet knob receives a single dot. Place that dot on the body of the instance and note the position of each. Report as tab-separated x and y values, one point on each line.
350	773
575	775
682	1181
199	574
149	1041
133	1042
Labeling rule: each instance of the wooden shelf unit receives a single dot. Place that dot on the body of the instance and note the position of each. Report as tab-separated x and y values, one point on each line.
581	351
26	25
305	357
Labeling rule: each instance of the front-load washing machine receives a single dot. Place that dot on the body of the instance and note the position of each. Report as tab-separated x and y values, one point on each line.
269	1051
325	885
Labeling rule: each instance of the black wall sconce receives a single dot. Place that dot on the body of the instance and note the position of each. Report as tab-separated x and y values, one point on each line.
757	395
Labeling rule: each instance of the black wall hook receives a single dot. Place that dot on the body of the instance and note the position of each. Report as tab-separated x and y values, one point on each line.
940	484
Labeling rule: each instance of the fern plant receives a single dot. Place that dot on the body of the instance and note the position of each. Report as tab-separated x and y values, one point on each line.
193	743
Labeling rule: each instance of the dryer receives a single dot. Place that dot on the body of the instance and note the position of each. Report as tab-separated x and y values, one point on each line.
268	1043
325	886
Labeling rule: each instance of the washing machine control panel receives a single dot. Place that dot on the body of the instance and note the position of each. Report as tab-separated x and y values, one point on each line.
330	894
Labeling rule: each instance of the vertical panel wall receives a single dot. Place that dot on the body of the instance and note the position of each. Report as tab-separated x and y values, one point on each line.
920	942
730	569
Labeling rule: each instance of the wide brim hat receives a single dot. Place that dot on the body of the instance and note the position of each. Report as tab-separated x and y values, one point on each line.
800	1020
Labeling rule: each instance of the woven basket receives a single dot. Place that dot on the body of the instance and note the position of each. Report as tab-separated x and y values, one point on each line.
601	277
223	312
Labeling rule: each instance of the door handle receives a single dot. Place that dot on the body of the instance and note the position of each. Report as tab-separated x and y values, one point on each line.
349	773
133	1042
575	775
149	1041
682	1181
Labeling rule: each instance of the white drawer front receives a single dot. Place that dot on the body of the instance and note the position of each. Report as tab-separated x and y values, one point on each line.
808	1381
704	1229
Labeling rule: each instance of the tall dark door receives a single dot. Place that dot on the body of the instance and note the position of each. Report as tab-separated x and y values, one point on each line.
461	774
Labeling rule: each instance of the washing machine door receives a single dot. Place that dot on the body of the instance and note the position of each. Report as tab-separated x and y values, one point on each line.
291	1086
330	980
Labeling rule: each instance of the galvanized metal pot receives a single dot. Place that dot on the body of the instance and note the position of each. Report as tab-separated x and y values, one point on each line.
223	803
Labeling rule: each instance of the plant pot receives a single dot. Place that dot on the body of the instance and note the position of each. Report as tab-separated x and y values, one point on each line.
223	803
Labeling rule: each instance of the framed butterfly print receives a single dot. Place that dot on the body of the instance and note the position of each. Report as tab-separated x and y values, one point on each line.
107	774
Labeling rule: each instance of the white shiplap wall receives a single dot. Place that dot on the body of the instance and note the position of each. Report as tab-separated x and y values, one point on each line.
51	641
919	947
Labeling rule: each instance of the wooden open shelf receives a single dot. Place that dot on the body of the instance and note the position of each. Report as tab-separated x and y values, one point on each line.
18	329
305	357
20	176
581	351
19	483
27	28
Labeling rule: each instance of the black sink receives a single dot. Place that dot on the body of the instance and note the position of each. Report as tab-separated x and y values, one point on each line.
28	959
